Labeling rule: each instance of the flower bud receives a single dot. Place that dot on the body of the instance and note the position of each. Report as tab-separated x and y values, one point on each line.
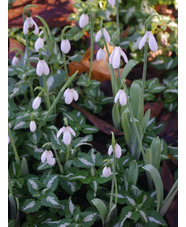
15	60
33	126
106	171
36	103
65	46
83	20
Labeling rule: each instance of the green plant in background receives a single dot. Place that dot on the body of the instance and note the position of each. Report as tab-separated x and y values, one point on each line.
56	176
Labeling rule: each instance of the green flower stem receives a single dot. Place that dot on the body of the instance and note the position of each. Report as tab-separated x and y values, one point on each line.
68	155
13	146
46	92
112	192
134	123
10	185
65	65
144	70
117	15
57	158
91	44
115	180
70	79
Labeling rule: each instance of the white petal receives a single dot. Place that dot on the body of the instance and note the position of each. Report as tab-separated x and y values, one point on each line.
39	68
101	55
112	2
106	35
66	92
106	171
83	20
152	43
98	36
68	96
123	98
60	131
75	94
36	103
111	57
117	150
43	156
110	150
50	158
67	138
116	58
39	44
32	126
71	131
123	55
65	46
45	68
26	26
143	40
36	30
117	96
15	60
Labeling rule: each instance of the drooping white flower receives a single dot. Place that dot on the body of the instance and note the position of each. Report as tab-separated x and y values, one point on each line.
29	22
101	54
117	150
65	46
36	103
114	58
42	68
33	126
106	171
112	2
151	40
105	33
67	131
48	155
39	42
70	94
15	60
83	20
121	95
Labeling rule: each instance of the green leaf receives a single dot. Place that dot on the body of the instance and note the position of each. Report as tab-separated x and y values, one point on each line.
81	175
88	218
51	182
34	185
15	170
145	121
128	67
30	206
20	125
50	200
156	152
70	187
116	115
155	219
125	214
101	207
133	172
24	167
82	141
89	129
157	182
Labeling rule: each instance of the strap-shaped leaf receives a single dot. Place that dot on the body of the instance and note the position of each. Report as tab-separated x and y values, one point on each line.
128	67
145	121
156	152
133	172
157	182
101	207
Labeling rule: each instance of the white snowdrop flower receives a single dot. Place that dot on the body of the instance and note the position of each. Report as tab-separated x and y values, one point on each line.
105	33
15	60
112	2
114	58
42	68
106	171
33	126
48	155
70	94
151	40
121	95
65	46
83	20
67	131
117	150
29	22
39	42
36	103
101	54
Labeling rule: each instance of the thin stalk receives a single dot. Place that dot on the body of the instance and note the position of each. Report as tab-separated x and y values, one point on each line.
46	92
65	65
57	158
13	146
57	98
112	192
144	69
91	45
10	185
115	180
117	14
68	153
